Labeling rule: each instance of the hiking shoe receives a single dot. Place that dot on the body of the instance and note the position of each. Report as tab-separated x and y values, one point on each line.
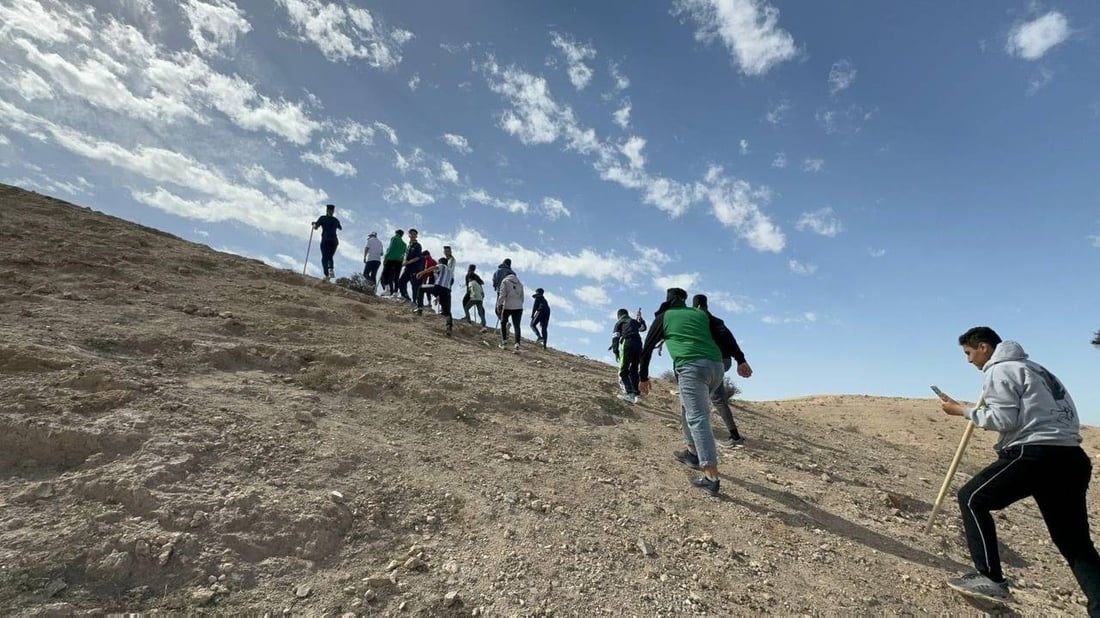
687	458
637	398
500	345
980	586
707	485
515	348
626	398
484	330
732	443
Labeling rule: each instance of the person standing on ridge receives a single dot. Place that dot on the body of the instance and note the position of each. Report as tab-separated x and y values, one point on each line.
509	306
413	263
503	270
540	316
1039	454
391	265
444	279
626	345
328	224
475	296
727	343
427	282
697	362
372	259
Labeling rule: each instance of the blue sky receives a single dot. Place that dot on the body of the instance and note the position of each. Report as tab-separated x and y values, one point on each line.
853	184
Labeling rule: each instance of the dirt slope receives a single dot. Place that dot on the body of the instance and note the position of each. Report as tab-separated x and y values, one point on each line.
174	422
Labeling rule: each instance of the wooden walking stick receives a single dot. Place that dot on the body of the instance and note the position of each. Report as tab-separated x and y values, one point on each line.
951	470
308	247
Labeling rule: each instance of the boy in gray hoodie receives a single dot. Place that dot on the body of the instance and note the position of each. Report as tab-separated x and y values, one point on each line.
1039	455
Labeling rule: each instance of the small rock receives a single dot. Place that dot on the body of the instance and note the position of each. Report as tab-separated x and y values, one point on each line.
202	596
414	564
646	548
348	615
303	591
336	497
225	315
190	309
303	417
369	596
392	565
165	555
378	582
450	566
451	598
55	587
825	477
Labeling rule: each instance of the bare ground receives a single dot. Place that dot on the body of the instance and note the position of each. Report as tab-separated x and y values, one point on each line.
174	423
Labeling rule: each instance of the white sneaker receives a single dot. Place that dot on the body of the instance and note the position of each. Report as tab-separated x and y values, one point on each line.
637	399
515	348
627	398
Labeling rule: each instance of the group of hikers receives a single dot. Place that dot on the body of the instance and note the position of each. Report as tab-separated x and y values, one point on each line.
1039	450
411	274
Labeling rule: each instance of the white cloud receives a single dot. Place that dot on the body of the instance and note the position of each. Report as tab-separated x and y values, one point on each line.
621	116
346	32
479	249
876	253
737	205
329	161
744	146
1041	78
554	209
729	302
592	295
406	193
414	82
4	140
214	24
459	143
778	112
632	150
1032	40
802	268
480	196
684	281
780	160
448	171
841	76
586	324
1095	240
621	81
813	165
559	303
844	121
822	221
31	86
653	257
807	317
580	74
748	28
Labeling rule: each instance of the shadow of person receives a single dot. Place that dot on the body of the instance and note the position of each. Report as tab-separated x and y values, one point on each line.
990	608
809	517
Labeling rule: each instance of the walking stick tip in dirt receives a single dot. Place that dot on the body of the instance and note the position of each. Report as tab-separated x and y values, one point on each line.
952	468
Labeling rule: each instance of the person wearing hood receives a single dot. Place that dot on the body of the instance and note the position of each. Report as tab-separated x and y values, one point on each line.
413	263
626	345
372	259
503	270
475	295
697	362
540	316
391	263
509	306
329	241
1039	454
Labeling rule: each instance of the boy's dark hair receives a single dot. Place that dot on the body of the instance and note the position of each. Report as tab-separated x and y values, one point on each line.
507	261
622	313
330	206
1096	339
412	230
472	268
400	232
979	335
699	301
676	294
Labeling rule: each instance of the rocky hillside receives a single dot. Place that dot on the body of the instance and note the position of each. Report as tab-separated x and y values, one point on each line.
187	430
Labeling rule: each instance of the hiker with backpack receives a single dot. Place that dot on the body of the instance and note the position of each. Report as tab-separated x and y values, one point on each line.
540	316
1039	455
626	345
727	343
372	259
475	295
444	278
391	263
427	282
503	270
697	362
328	224
509	306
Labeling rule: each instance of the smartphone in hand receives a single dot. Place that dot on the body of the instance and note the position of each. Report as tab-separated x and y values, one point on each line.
939	393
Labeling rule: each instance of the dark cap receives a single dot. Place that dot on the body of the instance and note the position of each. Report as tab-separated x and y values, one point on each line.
676	294
507	261
537	292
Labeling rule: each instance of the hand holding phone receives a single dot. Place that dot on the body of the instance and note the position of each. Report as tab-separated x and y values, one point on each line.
942	395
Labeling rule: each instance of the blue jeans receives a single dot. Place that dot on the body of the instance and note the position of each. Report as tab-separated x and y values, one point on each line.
699	381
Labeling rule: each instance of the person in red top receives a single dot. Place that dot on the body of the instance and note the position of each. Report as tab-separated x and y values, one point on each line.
427	277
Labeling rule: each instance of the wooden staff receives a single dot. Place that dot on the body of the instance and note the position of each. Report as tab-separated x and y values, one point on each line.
951	470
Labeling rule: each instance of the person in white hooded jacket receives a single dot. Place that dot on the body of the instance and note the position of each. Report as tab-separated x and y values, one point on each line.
510	307
1039	455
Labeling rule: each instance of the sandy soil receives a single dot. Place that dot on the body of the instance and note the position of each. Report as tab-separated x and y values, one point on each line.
182	429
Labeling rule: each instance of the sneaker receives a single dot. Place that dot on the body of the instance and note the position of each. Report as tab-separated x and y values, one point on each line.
500	345
484	330
626	398
707	485
637	399
515	348
980	586
687	458
732	443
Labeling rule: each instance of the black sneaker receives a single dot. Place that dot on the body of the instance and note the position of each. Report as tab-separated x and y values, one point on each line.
707	485
687	458
980	586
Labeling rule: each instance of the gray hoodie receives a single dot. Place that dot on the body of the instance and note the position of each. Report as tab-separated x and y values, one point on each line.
511	293
1024	402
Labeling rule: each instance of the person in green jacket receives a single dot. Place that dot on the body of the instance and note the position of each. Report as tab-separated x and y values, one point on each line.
391	264
697	361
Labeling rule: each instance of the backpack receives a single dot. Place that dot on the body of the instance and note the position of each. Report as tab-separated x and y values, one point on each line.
475	290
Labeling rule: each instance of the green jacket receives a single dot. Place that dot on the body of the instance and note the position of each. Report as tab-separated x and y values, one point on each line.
396	251
687	334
